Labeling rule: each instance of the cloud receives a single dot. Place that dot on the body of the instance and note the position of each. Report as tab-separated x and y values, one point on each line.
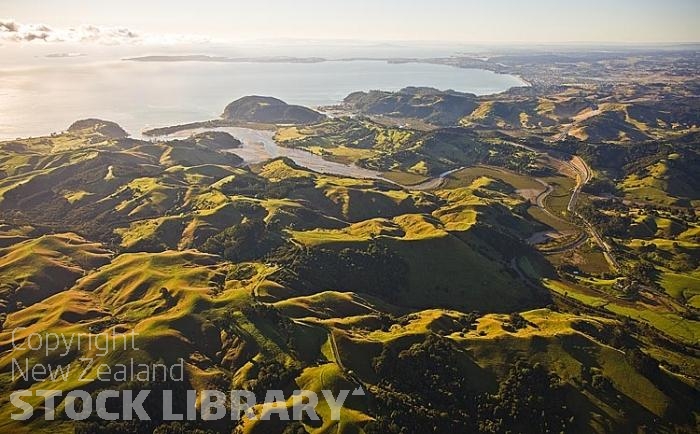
12	31
8	26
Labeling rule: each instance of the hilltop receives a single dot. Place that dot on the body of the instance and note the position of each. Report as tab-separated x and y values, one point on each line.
269	110
99	126
255	111
430	105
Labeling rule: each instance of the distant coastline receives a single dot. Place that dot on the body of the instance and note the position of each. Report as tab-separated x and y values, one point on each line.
447	61
207	86
64	55
224	59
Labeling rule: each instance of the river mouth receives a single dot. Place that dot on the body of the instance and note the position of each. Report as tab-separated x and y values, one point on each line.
259	145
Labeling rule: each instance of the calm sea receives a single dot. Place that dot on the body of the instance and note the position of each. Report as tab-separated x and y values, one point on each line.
48	94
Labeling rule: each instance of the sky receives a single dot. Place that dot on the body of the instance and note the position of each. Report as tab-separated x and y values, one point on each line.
464	21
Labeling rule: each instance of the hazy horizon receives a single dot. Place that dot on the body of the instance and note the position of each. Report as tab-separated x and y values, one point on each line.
498	22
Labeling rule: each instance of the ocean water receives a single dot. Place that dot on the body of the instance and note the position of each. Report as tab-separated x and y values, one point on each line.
45	95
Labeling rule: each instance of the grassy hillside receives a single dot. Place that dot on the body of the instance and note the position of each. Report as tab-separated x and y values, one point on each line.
35	269
433	300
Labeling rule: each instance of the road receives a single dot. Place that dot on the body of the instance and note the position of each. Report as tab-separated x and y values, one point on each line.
571	245
432	183
334	347
582	174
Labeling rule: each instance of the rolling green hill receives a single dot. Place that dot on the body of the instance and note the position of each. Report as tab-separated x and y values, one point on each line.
274	276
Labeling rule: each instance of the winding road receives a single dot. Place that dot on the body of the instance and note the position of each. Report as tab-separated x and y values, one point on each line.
432	183
582	174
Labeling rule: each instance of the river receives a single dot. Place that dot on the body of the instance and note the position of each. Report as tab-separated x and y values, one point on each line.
259	145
